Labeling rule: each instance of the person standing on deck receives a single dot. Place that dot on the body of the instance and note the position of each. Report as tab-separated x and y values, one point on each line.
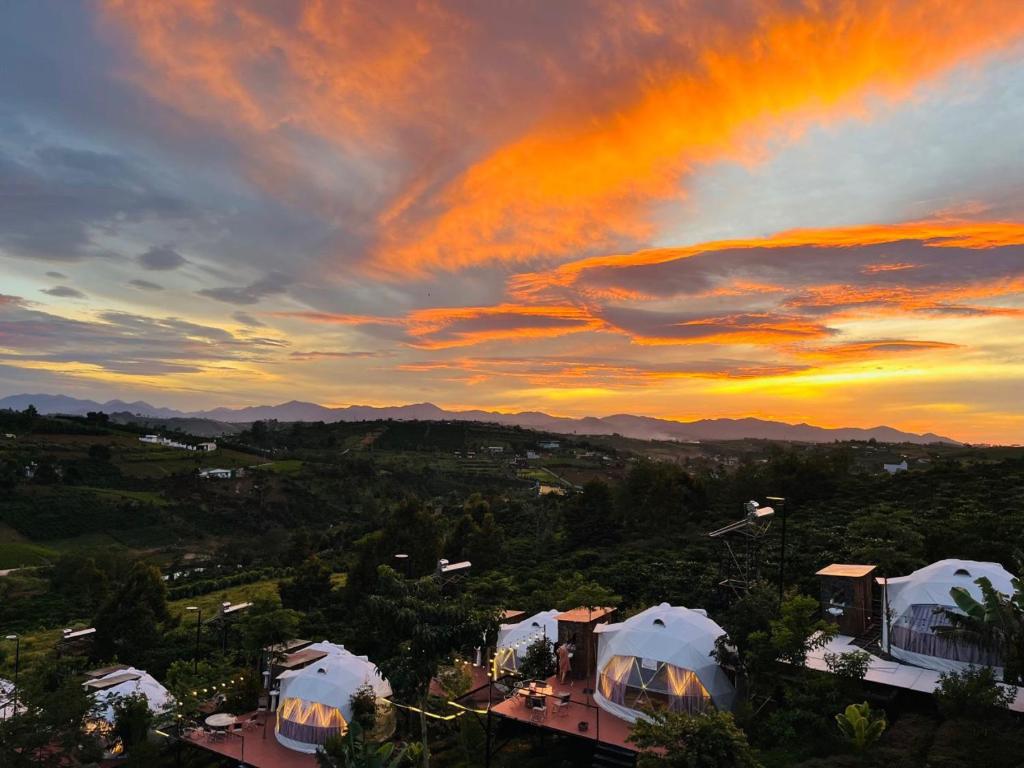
564	662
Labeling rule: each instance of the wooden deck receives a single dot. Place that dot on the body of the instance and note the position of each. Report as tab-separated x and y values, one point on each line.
257	748
601	726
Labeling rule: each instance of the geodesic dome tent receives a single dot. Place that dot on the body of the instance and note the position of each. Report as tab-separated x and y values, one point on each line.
514	639
661	658
7	700
916	610
316	701
128	681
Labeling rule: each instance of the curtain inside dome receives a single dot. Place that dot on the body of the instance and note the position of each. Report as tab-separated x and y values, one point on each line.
309	722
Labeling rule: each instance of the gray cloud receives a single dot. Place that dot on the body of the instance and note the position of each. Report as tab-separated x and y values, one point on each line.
145	285
57	275
52	214
900	263
64	292
318	355
161	258
246	319
122	342
273	283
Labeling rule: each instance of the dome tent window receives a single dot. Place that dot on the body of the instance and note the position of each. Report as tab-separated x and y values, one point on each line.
640	684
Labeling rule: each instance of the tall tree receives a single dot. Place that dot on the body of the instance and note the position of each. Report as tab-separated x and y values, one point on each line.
50	732
590	516
131	621
420	628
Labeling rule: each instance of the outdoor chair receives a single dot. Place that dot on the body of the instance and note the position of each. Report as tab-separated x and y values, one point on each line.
251	723
538	714
562	704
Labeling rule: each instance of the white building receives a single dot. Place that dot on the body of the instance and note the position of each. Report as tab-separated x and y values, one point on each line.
892	469
662	657
166	442
206	447
216	474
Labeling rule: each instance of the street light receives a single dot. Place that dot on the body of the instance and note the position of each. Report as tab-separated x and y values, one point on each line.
199	623
403	563
17	664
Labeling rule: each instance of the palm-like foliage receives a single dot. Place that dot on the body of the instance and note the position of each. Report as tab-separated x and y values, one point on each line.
861	726
995	623
353	751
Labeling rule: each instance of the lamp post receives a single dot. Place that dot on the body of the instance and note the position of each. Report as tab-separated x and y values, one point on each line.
199	623
17	664
402	561
780	504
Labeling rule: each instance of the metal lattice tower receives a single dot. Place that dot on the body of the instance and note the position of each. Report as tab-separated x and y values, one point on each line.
741	542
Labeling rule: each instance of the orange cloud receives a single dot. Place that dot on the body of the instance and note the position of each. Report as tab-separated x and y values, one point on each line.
495	146
866	350
446	327
569	372
936	233
903	299
577	182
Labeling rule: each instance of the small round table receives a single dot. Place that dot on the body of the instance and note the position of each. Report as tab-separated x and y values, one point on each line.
221	720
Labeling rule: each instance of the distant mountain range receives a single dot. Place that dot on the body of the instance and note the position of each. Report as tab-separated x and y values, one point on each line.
639	427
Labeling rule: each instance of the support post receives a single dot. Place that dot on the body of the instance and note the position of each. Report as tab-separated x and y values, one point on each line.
781	503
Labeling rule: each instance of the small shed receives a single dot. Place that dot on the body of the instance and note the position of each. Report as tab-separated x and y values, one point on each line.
847	596
577	627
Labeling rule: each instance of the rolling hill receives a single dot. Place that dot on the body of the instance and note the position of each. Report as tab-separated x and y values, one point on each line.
638	427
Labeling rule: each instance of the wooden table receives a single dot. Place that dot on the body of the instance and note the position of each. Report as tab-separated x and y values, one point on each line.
540	690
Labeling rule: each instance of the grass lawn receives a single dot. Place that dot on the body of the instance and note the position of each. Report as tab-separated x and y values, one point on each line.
17	554
540	474
283	467
146	497
210	603
34	648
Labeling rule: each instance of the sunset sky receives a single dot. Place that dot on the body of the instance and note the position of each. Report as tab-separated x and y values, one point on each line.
803	210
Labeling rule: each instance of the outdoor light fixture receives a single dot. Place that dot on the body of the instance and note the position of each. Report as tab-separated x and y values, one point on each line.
17	664
199	623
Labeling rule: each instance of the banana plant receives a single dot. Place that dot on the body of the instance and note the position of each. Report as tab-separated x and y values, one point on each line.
861	726
353	751
996	623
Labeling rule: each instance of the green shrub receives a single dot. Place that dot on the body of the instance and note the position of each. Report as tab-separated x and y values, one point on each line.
973	693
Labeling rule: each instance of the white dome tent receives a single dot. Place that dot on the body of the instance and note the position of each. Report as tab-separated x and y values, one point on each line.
916	605
514	639
316	701
661	657
124	682
7	700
